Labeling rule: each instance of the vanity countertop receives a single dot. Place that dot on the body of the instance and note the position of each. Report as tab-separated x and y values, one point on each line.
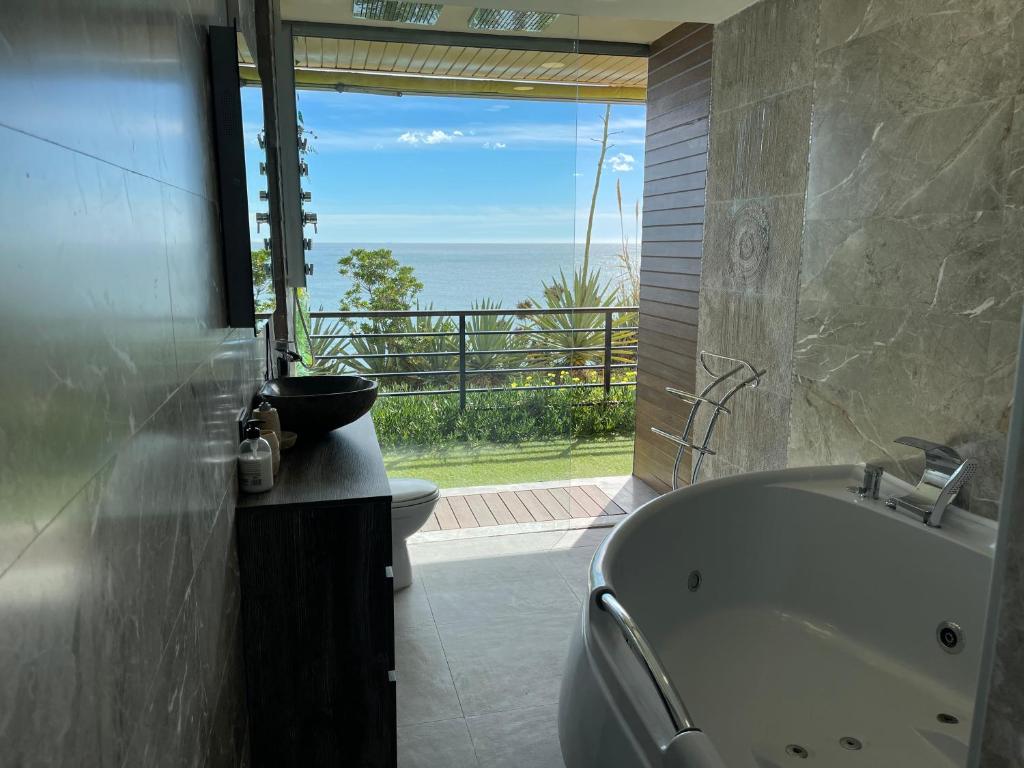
343	465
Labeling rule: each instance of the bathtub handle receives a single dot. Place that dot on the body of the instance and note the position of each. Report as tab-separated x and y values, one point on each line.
644	653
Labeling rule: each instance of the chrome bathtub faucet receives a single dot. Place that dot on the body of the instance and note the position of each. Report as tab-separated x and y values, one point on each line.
945	474
868	488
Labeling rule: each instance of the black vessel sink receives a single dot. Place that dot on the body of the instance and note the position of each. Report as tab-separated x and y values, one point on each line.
318	404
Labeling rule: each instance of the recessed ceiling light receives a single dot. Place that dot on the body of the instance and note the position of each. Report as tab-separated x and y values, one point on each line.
392	10
552	65
510	21
522	87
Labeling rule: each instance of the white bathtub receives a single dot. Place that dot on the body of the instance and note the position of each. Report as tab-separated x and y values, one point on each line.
815	622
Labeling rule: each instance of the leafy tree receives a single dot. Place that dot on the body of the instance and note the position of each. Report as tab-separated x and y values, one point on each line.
379	282
262	281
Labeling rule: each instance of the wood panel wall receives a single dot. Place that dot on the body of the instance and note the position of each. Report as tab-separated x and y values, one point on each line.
675	172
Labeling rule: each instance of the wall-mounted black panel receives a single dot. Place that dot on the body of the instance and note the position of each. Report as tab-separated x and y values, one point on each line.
234	198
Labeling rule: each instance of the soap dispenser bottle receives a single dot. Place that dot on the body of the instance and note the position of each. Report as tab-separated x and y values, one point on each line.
268	415
255	461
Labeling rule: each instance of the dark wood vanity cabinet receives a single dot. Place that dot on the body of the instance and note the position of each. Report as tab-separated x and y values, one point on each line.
317	610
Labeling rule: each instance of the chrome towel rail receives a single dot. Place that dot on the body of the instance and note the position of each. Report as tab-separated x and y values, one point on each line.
751	378
645	654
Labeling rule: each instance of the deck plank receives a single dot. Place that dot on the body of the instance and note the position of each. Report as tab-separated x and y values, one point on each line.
462	512
516	507
497	506
607	504
445	517
582	500
480	510
556	510
534	506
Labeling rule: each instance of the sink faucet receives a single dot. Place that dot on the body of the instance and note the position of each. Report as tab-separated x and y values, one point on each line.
284	356
945	474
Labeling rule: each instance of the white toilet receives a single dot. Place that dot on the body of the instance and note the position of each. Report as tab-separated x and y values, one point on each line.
412	501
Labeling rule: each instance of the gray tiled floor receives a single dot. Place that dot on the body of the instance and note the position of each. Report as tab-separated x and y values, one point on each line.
481	639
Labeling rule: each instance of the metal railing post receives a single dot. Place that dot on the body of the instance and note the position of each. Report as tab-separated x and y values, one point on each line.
607	352
462	361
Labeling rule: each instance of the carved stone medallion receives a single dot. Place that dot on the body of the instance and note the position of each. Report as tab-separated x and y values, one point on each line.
748	245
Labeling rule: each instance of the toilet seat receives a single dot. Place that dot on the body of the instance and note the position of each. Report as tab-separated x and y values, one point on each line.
408	493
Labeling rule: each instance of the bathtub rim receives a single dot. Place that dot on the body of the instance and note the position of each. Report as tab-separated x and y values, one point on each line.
960	527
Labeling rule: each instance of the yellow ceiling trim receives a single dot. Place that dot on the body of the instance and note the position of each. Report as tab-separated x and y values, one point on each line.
439	86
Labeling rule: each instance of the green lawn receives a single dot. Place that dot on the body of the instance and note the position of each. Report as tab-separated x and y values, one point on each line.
455	465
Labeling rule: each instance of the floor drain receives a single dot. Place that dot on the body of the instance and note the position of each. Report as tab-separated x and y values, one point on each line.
947	719
848	742
693	581
795	750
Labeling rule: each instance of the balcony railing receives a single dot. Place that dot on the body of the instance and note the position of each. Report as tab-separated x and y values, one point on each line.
434	352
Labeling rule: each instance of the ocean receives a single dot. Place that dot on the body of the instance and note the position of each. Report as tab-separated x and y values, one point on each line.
454	275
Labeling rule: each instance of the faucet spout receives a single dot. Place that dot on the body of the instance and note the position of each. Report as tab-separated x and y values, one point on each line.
945	475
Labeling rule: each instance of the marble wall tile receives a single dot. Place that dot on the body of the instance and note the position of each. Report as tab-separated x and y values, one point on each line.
122	82
950	161
1015	163
760	149
58	722
843	21
84	292
851	400
198	308
925	63
957	264
94	608
118	575
770	50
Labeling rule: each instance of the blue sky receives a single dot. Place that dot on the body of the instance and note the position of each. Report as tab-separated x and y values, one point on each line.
443	169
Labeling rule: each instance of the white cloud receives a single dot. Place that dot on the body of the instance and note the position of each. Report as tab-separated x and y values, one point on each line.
435	136
621	162
494	145
627	133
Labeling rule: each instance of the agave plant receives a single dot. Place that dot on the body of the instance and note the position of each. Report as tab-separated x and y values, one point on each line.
564	331
370	353
486	337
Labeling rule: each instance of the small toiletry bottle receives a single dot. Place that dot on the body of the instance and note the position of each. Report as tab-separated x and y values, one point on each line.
268	415
275	446
255	461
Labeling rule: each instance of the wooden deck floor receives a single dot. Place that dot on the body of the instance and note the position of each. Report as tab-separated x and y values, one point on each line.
476	510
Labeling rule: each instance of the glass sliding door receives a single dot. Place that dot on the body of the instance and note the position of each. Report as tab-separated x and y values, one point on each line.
443	179
605	286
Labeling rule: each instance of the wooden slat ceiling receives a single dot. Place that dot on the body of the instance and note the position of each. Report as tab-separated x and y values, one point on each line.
622	78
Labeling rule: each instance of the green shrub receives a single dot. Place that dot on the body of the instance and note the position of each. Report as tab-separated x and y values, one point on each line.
505	416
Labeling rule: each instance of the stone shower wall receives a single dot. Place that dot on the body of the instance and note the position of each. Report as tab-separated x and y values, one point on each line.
762	88
912	268
119	594
865	235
